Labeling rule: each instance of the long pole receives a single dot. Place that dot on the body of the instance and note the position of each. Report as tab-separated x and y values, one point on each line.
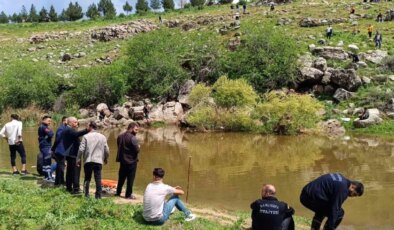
188	179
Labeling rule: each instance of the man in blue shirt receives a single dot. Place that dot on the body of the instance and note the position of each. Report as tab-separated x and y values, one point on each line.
45	135
325	196
58	150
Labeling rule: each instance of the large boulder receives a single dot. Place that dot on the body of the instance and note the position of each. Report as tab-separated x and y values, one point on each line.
342	94
172	111
184	91
101	107
137	112
320	64
310	75
332	127
305	60
374	57
345	78
330	52
373	119
121	112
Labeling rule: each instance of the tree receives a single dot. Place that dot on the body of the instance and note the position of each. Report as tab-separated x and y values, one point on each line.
3	17
168	4
23	14
43	15
155	4
141	6
198	3
52	14
63	16
33	16
92	12
107	8
127	7
16	18
74	12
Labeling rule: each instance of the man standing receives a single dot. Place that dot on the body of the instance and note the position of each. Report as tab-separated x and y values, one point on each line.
94	151
271	214
58	150
71	142
378	39
45	135
329	32
370	29
12	132
128	149
325	196
156	210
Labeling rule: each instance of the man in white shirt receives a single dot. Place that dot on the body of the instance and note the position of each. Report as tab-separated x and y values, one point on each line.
12	132
156	210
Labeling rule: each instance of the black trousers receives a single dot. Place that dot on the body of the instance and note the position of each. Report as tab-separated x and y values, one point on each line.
89	168
21	150
126	171
60	161
322	209
72	175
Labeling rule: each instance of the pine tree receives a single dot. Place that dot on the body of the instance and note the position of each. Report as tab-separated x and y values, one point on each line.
23	14
33	16
107	8
92	12
43	15
3	18
73	12
15	18
52	14
198	3
155	4
141	6
127	7
63	16
168	4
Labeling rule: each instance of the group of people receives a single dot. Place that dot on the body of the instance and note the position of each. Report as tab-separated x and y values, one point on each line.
324	196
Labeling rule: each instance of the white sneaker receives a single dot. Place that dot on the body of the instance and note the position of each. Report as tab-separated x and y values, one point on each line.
49	180
173	210
190	217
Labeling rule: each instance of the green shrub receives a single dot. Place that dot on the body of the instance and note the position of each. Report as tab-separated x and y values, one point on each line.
233	93
235	120
199	93
203	116
374	96
388	63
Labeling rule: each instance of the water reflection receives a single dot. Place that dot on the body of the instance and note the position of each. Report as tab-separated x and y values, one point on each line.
228	169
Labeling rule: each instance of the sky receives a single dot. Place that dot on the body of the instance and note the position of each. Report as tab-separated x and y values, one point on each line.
15	6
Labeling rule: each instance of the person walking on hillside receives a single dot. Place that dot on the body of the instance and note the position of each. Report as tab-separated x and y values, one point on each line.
378	39
352	10
244	7
379	18
12	132
370	29
127	156
329	32
94	151
325	196
58	152
156	210
45	135
270	214
71	142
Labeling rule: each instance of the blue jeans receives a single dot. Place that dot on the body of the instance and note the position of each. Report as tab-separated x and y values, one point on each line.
378	44
174	201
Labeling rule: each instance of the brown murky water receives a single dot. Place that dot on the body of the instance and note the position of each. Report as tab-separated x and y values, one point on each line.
228	169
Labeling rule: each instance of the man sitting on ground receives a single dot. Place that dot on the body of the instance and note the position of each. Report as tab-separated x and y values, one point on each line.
156	210
271	214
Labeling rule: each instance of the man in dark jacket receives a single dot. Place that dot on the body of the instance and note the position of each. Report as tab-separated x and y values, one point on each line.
58	150
128	149
270	214
325	196
71	141
45	135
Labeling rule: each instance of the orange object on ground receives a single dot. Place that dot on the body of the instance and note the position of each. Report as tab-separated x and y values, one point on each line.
109	183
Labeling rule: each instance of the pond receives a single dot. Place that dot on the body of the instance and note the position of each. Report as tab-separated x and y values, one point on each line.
228	169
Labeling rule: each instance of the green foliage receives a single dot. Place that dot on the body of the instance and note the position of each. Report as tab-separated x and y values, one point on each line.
197	3
63	16
225	1
33	17
288	113
141	6
168	4
52	14
203	116
233	93
127	7
3	17
388	63
374	96
43	15
23	84
73	12
92	12
199	93
155	4
267	58
107	8
23	14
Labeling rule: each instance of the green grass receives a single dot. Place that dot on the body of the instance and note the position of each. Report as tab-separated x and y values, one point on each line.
386	128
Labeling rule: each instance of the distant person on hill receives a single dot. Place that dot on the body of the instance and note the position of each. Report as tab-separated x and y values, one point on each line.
378	39
370	30
272	5
156	209
232	8
12	132
325	196
237	8
244	7
329	32
160	20
45	135
364	115
352	10
58	152
270	214
94	152
379	18
355	58
146	111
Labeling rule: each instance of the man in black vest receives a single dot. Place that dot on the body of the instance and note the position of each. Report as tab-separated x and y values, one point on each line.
325	196
270	214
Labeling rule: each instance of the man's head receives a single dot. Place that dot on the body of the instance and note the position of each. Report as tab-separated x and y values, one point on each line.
64	120
133	128
268	191
92	125
72	122
356	188
46	119
158	173
14	116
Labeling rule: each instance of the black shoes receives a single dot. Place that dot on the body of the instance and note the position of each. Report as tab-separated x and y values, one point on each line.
16	173
24	172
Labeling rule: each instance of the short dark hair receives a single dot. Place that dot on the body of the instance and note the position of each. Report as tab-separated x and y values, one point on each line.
64	118
92	125
14	116
132	125
45	117
158	172
359	187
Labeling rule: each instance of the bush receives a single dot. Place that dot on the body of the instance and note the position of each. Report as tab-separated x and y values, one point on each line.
388	63
233	93
200	93
203	116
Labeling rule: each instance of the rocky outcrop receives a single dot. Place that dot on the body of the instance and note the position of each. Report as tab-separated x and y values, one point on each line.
342	94
375	57
346	79
45	37
373	119
313	22
310	75
330	52
184	91
332	127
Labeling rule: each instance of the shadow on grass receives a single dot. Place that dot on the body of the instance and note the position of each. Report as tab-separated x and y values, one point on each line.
5	173
138	218
29	178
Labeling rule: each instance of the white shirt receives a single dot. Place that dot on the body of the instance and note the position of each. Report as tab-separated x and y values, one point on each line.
12	131
154	196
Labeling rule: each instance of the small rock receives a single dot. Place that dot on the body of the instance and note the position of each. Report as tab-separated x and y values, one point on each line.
353	47
340	44
35	60
342	94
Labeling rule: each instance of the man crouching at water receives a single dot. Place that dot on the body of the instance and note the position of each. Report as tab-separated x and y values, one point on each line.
271	214
156	210
325	196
